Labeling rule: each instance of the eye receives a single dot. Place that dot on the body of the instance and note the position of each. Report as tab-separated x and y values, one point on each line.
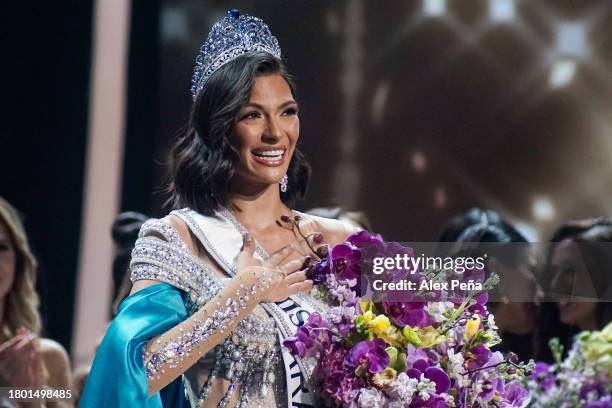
251	115
290	112
3	247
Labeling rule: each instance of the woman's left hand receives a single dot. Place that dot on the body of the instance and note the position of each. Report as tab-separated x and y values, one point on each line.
293	281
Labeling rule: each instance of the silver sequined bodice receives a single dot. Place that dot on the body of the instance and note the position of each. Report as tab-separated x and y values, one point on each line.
249	358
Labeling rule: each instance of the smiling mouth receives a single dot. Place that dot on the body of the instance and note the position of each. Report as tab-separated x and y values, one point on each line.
270	157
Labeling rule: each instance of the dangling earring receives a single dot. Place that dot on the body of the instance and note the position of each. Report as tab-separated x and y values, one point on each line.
283	183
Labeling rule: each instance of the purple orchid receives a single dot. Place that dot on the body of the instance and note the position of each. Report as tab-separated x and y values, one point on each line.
369	354
514	396
319	271
362	239
544	376
423	362
345	262
314	333
411	314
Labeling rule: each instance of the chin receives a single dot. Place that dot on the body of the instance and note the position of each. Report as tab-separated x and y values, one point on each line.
268	176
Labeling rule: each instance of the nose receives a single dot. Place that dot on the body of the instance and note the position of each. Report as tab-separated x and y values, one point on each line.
273	131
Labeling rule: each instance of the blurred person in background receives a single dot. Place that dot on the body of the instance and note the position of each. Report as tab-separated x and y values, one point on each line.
26	358
203	324
577	282
124	232
512	301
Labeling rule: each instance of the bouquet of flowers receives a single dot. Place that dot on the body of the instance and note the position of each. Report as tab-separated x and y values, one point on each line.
431	350
583	379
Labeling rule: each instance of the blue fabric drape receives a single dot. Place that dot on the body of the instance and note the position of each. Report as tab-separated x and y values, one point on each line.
117	377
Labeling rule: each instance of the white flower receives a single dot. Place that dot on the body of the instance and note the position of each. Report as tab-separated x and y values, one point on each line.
456	369
403	388
371	398
436	310
426	387
491	322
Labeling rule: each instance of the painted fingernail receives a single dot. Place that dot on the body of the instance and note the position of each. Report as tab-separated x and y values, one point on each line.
307	261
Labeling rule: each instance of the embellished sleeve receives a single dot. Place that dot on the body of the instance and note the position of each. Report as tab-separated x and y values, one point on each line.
160	254
171	354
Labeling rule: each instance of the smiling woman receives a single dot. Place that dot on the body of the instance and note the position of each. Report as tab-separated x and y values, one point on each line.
221	148
219	281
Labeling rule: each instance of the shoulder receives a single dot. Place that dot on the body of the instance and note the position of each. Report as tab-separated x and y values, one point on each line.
56	361
170	228
53	350
182	229
334	231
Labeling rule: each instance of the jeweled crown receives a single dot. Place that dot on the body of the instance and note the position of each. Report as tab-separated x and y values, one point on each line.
232	36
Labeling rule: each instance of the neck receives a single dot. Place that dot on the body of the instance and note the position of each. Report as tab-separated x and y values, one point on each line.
588	323
258	210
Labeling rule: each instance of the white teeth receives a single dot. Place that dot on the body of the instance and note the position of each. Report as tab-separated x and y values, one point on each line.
270	153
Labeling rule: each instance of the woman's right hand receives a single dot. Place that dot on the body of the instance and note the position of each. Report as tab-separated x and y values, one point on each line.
286	277
21	360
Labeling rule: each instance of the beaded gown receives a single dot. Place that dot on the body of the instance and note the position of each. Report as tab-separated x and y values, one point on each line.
244	370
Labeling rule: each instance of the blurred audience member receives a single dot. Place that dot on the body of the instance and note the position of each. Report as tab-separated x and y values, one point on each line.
355	218
513	300
26	359
578	279
125	232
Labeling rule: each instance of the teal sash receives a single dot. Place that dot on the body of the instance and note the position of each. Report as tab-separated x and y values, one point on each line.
117	377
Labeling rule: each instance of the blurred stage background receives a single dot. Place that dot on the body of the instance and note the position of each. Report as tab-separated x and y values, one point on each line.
411	111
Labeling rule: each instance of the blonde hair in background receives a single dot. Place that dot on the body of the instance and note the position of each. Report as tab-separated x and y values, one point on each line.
21	302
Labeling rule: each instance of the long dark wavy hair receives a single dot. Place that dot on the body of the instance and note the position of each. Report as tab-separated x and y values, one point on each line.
203	160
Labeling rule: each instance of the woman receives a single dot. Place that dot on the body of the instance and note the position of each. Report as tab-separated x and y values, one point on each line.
220	282
578	281
508	254
26	359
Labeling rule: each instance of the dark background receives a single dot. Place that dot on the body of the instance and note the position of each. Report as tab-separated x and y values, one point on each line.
408	117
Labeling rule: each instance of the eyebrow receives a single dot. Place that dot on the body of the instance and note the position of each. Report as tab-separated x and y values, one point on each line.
281	106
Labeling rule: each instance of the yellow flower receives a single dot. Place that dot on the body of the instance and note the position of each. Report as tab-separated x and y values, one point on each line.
384	378
471	327
366	305
376	324
392	336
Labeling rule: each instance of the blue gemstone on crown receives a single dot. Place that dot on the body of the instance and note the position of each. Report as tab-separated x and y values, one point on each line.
229	38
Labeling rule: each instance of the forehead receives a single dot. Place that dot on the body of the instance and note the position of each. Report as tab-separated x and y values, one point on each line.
270	90
566	251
